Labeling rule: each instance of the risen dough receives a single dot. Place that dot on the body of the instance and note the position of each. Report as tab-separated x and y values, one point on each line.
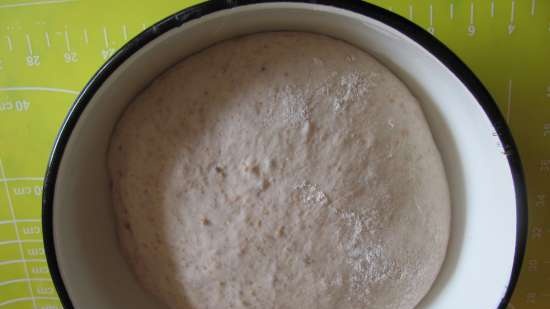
280	170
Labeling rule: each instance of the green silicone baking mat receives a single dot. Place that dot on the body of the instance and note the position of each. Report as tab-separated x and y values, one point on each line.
50	48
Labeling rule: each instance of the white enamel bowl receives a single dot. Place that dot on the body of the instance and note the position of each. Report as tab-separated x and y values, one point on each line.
487	187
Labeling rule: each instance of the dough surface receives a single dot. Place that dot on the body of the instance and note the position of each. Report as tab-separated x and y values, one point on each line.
280	170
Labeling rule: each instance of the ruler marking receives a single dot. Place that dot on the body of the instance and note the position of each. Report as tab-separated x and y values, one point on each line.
33	298
14	5
17	236
85	32
48	89
492	8
11	242
67	41
125	32
24	280
143	27
20	261
533	7
513	12
512	26
431	15
21	220
411	12
390	8
105	37
22	178
472	13
509	105
47	37
452	10
29	45
10	43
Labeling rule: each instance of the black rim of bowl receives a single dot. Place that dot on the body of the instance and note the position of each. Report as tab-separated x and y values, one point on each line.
416	33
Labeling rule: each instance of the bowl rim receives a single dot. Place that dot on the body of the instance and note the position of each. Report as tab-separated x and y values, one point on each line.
435	47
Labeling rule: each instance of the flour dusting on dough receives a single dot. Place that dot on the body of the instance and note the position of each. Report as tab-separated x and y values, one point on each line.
310	195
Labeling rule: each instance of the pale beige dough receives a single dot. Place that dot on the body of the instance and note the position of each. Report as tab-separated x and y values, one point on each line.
284	171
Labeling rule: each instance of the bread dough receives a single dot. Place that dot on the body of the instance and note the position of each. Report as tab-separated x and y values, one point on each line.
280	170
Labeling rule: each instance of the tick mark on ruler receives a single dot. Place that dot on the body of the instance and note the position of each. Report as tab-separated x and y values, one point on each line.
47	38
3	283
125	32
108	51
11	242
32	88
143	26
10	43
105	37
509	105
513	12
67	41
512	26
85	33
472	27
14	5
492	8
472	13
20	220
22	179
533	7
29	45
431	28
411	12
452	10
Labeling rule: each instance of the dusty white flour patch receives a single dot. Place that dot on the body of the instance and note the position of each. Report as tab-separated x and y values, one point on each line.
352	87
295	105
310	195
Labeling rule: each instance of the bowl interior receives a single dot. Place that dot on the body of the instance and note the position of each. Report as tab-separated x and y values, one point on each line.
481	252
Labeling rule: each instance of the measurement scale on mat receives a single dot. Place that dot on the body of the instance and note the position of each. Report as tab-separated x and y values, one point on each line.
50	48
